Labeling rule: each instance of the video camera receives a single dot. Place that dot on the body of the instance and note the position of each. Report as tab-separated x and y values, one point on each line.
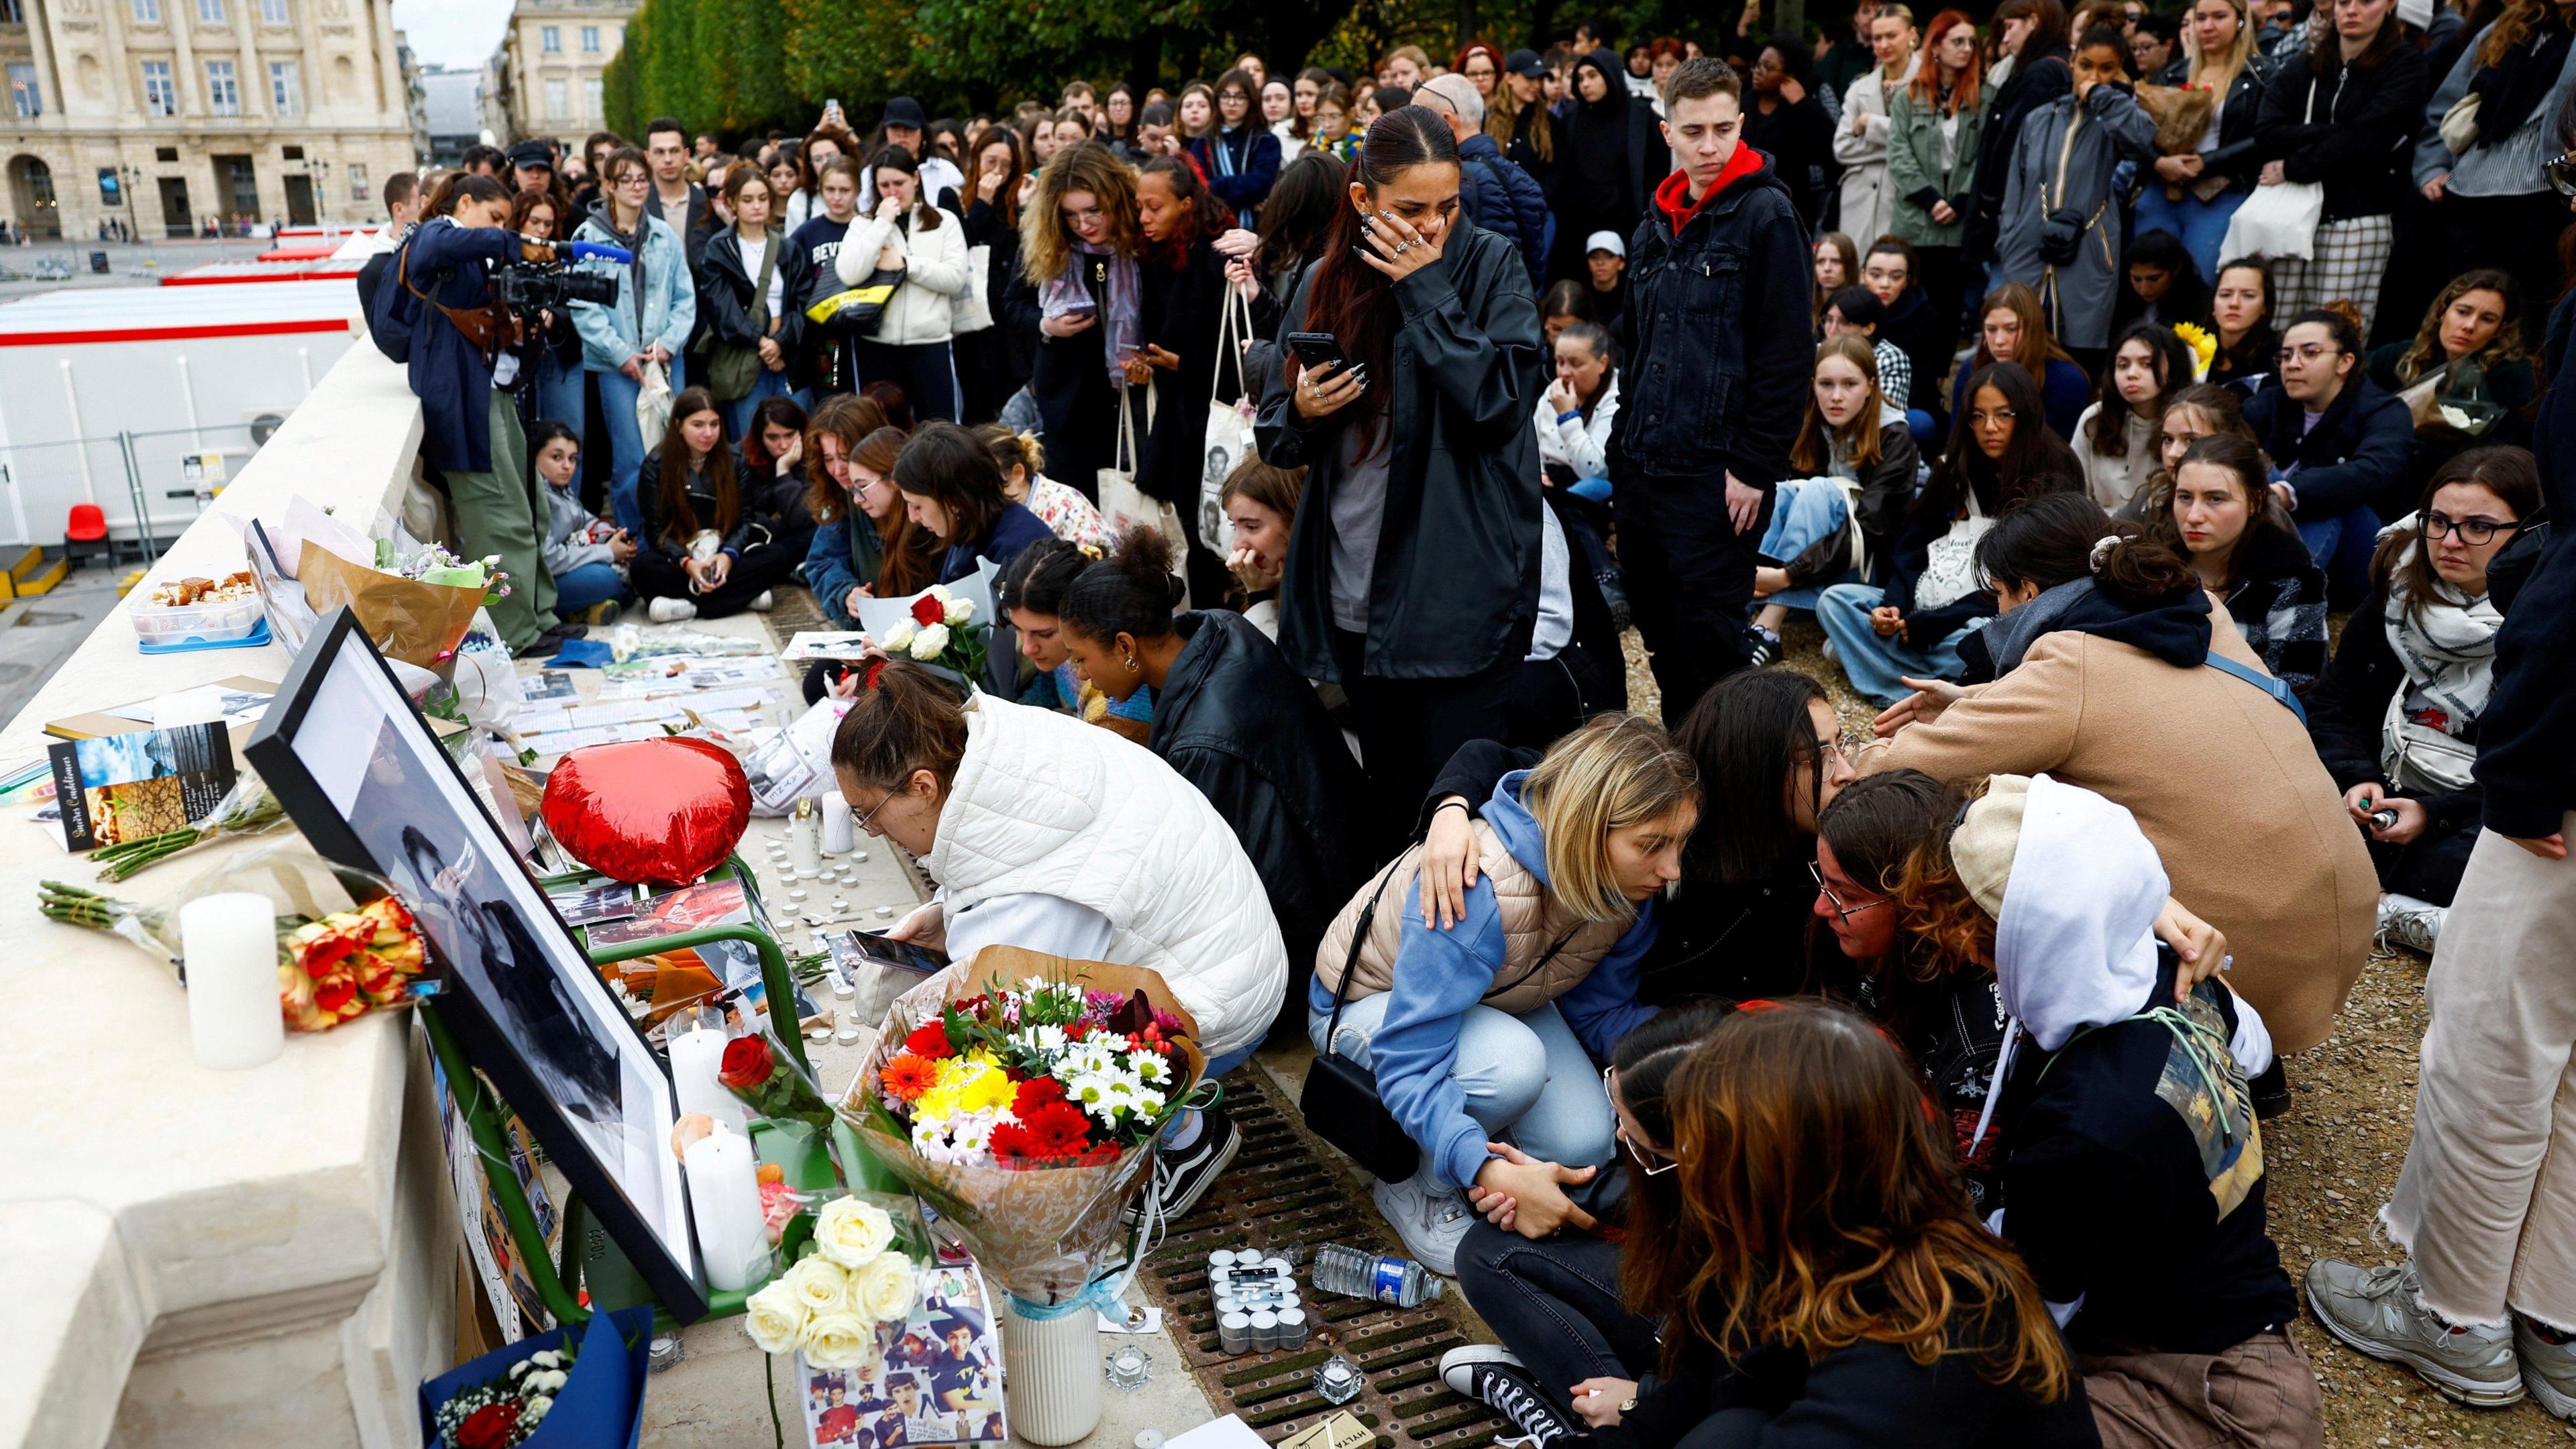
528	287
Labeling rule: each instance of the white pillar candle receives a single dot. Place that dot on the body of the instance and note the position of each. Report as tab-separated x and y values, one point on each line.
724	1203
697	1056
230	941
838	836
805	838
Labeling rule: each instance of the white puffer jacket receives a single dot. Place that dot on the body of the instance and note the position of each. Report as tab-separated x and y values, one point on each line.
1045	803
922	310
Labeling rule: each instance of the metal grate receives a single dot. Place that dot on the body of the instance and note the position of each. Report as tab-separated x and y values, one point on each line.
1285	1188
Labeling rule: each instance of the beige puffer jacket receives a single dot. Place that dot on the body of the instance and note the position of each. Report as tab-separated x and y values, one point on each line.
1533	922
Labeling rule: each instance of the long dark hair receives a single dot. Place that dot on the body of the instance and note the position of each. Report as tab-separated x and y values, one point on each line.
2511	474
2172	362
1643	1064
679	520
899	158
1347	297
2325	52
773	412
2241	458
945	464
1747	734
1306	201
2062	537
1006	201
1202	218
2034	462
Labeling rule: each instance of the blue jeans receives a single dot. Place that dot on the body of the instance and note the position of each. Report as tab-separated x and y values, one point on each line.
763	387
2342	547
592	583
2201	225
1596	489
1526	1078
627	444
559	393
1876	666
1804	510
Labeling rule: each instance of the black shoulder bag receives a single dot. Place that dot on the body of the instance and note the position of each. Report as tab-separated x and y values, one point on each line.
1341	1102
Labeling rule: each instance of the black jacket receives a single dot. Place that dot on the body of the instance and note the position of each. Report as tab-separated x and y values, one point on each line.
2356	136
1456	579
1011	344
1927	339
1716	378
1884	493
1735	940
2103	1161
1953	1028
1181	311
1503	199
2279	605
2524	765
2349	704
1239	724
1866	1394
2347	459
1799	139
755	527
725	297
2037	79
1609	157
2239	122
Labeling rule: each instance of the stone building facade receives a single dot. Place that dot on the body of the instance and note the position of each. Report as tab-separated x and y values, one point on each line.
550	63
161	116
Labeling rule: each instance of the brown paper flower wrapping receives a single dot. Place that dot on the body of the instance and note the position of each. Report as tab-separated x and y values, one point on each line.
1041	1232
419	624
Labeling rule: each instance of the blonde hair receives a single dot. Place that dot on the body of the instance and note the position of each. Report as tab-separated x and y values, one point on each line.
2232	64
1618	769
1046	249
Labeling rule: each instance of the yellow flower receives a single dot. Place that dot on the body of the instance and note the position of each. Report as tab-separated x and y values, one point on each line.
2204	348
939	1103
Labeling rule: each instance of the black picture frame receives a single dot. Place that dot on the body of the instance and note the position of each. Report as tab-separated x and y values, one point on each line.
367	781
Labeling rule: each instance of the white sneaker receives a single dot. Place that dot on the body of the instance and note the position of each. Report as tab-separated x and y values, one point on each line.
760	604
2548	1369
668	610
2408	922
1429	1215
2375	1311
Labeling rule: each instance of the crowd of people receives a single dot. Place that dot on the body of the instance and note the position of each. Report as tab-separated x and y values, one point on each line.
1323	432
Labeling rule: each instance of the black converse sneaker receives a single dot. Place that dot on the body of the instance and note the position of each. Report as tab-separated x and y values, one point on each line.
1761	646
1495	1376
1184	1174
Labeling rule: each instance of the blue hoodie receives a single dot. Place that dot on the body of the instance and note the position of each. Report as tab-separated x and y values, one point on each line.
1440	974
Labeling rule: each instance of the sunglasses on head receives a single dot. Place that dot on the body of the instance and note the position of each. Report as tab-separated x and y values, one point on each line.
2562	173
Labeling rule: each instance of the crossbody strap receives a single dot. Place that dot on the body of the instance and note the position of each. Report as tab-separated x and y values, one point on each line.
1359	938
2280	692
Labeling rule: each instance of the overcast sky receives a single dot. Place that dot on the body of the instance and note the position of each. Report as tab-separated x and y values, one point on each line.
459	34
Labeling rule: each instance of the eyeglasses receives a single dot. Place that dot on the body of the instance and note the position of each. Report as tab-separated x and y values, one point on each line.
1997	418
1845	744
2309	353
2470	530
1844	912
882	802
2562	173
1649	1161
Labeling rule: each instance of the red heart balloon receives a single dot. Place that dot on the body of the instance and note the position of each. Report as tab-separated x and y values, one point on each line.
649	810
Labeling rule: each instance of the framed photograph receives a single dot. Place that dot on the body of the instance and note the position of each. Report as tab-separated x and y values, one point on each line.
368	783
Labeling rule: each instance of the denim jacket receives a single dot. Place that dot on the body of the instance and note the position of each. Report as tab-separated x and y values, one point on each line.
665	312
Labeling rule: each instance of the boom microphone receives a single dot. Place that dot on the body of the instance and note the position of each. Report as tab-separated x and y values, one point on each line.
586	251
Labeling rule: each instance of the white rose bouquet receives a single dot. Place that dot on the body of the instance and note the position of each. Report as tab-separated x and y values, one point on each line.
941	632
859	1272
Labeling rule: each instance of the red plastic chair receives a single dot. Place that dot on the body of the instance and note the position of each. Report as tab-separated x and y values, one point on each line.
86	532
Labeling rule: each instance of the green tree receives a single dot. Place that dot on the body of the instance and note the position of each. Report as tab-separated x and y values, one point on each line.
675	71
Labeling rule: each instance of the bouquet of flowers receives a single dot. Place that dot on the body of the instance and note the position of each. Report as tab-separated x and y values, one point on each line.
416	606
506	1410
1020	1095
582	1384
860	1271
942	632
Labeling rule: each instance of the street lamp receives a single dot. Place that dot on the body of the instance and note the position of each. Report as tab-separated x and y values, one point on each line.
130	176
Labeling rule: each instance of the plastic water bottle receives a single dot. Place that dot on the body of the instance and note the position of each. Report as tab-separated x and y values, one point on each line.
1355	1274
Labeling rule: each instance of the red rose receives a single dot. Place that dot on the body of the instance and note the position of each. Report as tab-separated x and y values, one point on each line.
930	1039
927	611
333	993
746	1063
491	1427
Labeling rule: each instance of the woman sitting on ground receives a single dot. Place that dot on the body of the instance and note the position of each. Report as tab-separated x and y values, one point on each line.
1022	459
773	468
2204	409
587	558
1031	597
953	492
1578	410
1044	833
2115	439
2217	511
1912	627
2103	639
1235	720
2396	716
1844	1295
2012	329
2240	318
864	546
1260	504
1855	435
2130	1118
1485	1030
707	550
2468	377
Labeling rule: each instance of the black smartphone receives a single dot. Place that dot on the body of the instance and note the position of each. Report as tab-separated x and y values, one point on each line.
878	947
1085	310
1316	350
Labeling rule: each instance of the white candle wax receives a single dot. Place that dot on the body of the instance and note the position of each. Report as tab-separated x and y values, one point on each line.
724	1203
697	1055
805	838
838	835
230	941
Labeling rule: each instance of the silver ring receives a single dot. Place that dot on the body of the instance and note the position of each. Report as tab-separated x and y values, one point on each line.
2227	962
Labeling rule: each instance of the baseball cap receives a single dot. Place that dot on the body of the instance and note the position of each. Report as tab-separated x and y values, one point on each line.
1525	64
533	153
1605	241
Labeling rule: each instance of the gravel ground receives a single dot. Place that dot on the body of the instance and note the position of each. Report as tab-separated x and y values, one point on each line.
2332	1158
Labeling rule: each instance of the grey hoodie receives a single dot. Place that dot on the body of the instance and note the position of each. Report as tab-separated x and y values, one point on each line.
566	521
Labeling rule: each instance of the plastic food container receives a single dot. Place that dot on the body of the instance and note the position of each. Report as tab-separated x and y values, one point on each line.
201	623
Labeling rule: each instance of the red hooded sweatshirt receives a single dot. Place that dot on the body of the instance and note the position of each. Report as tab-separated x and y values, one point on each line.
1672	198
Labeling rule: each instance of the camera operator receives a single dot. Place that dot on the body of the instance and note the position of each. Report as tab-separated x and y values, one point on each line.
460	369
